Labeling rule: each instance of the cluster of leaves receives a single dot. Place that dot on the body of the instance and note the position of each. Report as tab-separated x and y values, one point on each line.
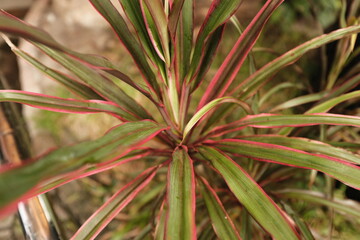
220	149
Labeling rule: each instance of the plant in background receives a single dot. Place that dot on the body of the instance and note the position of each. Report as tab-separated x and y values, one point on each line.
217	162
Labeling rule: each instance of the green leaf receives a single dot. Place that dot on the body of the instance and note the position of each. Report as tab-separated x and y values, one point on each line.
204	110
160	225
119	25
16	181
346	207
59	104
298	101
303	228
307	145
159	26
181	197
211	47
102	217
134	13
329	104
175	15
251	195
342	170
184	40
221	221
250	85
12	25
220	11
74	86
234	60
105	87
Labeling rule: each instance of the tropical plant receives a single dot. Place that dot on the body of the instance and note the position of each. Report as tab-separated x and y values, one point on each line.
223	157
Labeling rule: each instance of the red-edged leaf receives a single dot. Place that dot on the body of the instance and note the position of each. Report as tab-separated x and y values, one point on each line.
279	121
77	88
234	60
346	207
211	47
342	170
19	180
251	195
249	86
220	11
180	222
57	104
307	145
103	216
12	25
119	25
175	15
221	221
102	85
133	11
184	41
158	26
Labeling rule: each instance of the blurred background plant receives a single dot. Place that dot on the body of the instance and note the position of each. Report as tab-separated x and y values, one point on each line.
298	88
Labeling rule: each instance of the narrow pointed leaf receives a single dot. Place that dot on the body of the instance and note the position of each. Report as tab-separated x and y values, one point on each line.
279	121
74	86
89	170
329	104
211	47
158	25
221	221
234	60
342	170
307	145
184	40
250	85
160	225
16	181
347	207
211	105
180	222
303	228
119	25
251	195
14	26
175	15
298	101
105	87
102	217
134	13
57	104
219	12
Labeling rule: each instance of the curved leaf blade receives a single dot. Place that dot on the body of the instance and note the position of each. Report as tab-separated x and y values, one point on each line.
109	12
180	222
221	221
19	180
219	12
57	104
102	217
234	60
251	195
307	145
278	121
342	170
347	207
12	25
208	107
250	85
102	85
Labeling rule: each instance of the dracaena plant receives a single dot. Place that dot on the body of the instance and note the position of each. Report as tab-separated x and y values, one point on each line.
228	162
